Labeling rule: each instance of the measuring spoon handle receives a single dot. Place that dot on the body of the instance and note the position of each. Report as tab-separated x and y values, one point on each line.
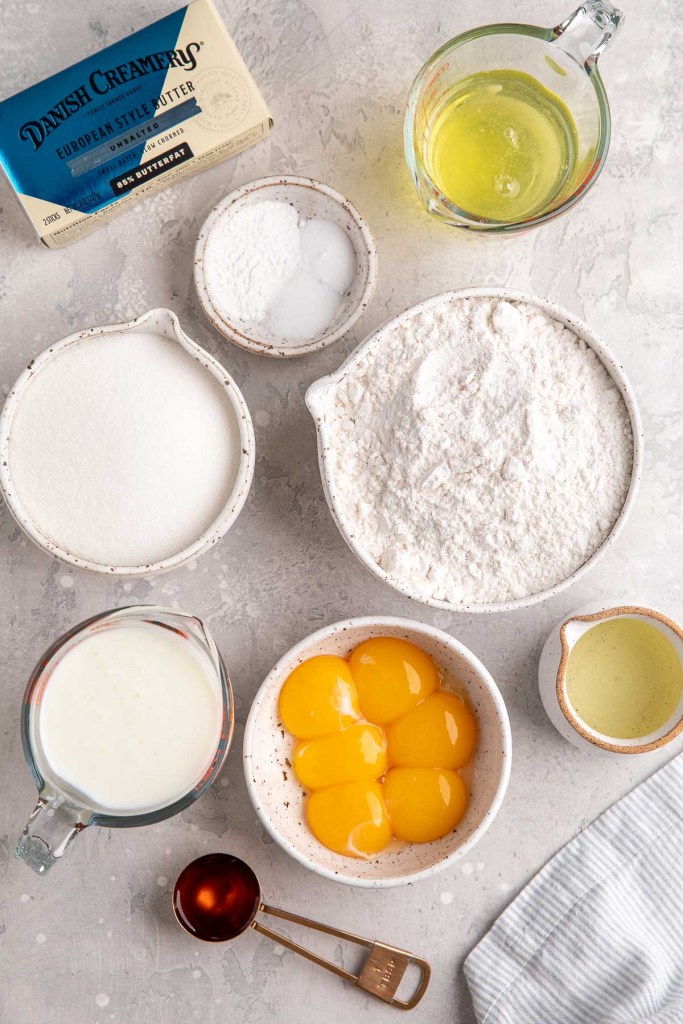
382	971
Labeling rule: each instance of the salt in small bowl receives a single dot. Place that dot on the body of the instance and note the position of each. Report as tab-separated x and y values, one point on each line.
311	199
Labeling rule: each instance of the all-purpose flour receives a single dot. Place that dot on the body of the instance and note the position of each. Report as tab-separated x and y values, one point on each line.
124	449
481	451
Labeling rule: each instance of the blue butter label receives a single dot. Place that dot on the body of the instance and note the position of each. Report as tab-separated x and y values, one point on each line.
77	139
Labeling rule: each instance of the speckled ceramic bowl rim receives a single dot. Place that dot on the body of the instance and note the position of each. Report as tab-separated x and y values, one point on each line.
592	736
229	330
299	651
607	358
245	472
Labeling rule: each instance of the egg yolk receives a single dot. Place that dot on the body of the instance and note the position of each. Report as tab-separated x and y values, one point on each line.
358	753
350	819
391	676
438	733
380	745
424	803
319	697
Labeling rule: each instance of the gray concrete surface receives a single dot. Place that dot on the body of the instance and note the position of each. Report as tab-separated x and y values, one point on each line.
95	941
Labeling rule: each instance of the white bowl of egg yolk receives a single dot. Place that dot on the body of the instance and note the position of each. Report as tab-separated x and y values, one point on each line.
377	751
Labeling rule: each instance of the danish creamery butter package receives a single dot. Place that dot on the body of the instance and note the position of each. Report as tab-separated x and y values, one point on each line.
157	106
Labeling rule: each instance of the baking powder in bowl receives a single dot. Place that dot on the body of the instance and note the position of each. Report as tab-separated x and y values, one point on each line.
265	263
124	449
480	451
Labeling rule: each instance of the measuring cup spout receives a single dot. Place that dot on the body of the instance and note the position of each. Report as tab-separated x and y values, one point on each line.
53	825
586	33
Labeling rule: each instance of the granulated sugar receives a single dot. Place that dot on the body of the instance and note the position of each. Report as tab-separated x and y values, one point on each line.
481	452
124	449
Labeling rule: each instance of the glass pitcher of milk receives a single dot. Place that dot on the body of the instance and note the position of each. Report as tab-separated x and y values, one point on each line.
126	720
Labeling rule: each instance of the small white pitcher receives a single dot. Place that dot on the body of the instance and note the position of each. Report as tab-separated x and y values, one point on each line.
552	679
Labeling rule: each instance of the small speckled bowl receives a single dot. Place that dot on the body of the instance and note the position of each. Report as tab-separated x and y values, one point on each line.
279	799
320	395
552	678
311	199
155	321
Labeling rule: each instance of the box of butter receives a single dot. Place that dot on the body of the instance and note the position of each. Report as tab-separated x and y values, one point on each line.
161	104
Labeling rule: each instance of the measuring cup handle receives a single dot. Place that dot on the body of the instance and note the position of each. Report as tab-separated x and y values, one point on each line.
380	975
585	33
52	826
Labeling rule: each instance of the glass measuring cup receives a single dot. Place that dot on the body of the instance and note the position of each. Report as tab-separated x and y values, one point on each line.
217	897
62	812
563	59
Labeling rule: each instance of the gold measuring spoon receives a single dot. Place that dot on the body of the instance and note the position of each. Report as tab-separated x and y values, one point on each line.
217	897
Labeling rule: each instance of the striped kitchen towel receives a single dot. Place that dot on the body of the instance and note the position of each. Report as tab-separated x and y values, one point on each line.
597	936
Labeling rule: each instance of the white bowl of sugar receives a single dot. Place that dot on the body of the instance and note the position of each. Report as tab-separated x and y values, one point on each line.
127	449
284	266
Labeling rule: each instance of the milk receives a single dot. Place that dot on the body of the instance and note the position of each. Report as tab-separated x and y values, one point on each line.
131	718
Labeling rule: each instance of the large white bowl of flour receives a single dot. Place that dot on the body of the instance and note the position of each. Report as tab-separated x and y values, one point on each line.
480	451
126	449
